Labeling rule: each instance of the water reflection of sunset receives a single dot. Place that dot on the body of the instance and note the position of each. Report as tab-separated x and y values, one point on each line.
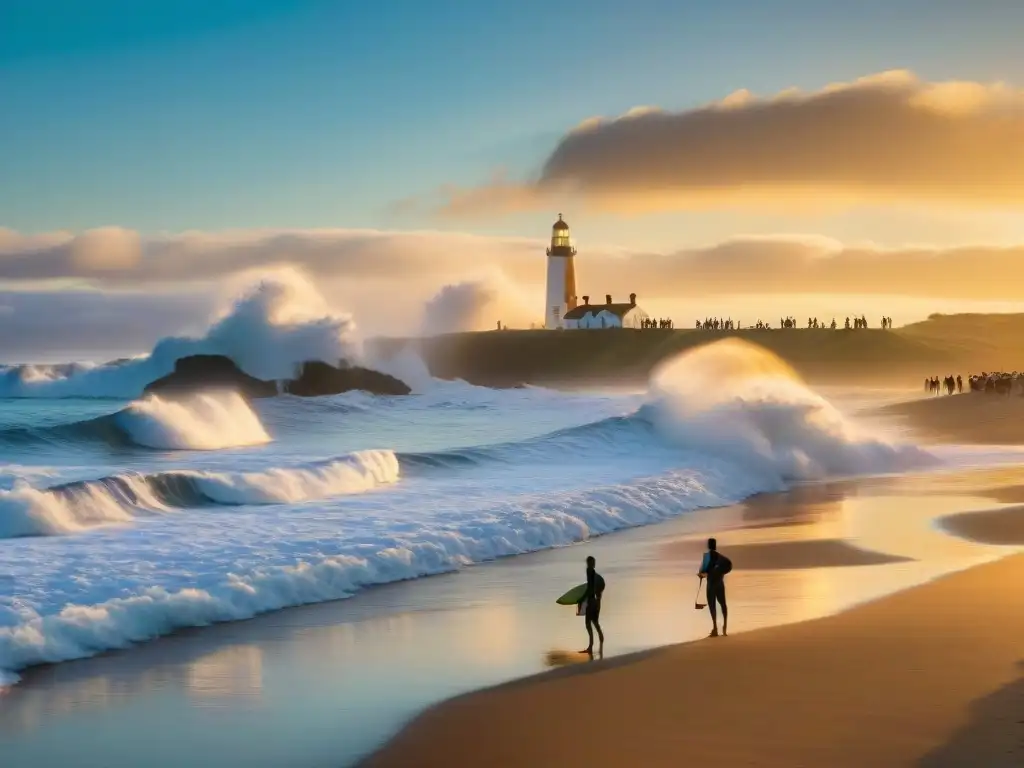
233	671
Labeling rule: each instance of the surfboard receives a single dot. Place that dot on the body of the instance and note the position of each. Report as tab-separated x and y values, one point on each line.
573	596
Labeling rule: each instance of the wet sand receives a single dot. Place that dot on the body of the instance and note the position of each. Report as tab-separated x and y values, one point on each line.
912	679
789	555
991	526
974	418
325	684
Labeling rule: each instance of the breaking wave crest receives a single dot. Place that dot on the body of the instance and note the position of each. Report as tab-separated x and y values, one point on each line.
201	422
118	499
196	422
742	403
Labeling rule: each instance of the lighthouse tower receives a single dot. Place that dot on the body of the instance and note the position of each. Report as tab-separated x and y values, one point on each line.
561	290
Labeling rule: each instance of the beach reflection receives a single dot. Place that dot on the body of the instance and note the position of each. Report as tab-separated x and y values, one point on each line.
227	673
559	658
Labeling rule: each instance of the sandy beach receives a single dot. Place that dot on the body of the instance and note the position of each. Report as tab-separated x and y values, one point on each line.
931	676
973	417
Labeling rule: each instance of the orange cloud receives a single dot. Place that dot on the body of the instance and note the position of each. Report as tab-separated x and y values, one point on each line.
887	136
382	267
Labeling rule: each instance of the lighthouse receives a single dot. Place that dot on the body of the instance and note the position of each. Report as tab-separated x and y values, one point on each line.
561	289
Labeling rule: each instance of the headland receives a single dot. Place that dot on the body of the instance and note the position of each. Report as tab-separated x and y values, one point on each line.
903	356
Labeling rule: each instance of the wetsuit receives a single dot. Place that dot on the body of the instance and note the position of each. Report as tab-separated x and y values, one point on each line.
716	582
595	586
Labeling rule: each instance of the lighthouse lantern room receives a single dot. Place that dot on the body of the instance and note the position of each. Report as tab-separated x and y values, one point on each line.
561	288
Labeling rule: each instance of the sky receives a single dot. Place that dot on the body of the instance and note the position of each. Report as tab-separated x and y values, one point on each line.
149	121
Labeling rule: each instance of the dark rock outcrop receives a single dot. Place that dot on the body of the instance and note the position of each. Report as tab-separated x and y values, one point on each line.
317	378
197	372
210	372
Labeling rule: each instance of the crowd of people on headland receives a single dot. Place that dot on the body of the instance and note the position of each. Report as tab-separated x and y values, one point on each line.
661	322
999	383
728	324
787	323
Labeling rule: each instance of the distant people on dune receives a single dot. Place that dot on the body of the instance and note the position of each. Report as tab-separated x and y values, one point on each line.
985	382
728	324
786	323
859	323
997	383
664	323
715	324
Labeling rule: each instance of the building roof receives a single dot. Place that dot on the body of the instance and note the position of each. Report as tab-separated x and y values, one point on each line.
560	224
621	310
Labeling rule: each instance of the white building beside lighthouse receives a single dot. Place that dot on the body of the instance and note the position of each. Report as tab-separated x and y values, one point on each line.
563	309
608	315
561	286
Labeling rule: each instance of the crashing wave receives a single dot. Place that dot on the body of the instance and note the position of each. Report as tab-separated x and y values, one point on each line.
268	332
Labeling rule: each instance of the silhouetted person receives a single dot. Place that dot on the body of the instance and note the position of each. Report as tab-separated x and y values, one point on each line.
592	606
714	567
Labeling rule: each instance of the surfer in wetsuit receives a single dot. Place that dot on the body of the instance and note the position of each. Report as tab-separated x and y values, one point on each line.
592	605
713	567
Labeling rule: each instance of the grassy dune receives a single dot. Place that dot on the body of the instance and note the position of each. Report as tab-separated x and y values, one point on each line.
941	345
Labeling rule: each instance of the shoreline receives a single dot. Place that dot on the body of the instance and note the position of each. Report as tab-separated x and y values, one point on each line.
355	670
819	685
757	500
789	555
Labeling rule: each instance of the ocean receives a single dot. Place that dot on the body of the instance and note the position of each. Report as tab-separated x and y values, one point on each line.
122	520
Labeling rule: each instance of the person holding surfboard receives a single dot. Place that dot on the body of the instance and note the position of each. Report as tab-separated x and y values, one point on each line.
590	604
714	567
